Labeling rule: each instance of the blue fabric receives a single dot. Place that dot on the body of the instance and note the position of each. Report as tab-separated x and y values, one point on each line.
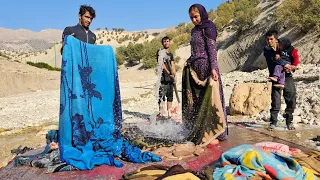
23	160
90	109
245	161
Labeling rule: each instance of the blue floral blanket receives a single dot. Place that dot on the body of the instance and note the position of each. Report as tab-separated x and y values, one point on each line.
90	109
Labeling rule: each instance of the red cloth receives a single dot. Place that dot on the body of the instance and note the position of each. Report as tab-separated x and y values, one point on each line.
295	56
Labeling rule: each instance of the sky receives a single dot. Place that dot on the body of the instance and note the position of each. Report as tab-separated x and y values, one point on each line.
132	15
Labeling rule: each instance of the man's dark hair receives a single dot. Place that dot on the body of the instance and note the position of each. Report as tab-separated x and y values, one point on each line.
272	33
164	39
85	8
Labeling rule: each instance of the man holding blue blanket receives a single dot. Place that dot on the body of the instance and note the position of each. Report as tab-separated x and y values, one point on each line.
81	31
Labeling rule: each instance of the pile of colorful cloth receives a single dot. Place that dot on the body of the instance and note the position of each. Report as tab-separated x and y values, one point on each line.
266	160
250	161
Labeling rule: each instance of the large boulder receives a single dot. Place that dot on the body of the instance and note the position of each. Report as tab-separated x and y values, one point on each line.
250	98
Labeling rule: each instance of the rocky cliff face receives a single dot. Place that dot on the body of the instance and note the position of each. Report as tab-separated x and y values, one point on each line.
244	51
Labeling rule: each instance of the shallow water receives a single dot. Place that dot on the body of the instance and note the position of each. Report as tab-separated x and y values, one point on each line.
163	128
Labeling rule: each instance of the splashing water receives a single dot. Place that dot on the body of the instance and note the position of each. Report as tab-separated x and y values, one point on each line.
164	129
159	69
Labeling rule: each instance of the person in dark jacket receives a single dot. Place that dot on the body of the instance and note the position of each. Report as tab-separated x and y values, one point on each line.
81	31
289	91
283	60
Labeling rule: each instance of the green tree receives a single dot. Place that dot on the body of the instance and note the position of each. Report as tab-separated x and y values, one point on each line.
149	53
181	25
133	53
182	39
155	34
212	15
245	13
189	27
172	34
120	58
225	13
303	14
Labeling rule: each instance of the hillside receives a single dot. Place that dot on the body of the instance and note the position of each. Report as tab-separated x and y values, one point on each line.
245	51
51	54
19	78
236	50
24	40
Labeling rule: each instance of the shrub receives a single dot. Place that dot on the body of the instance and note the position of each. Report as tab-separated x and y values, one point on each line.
155	34
133	53
177	59
303	14
183	39
119	58
43	65
212	15
150	50
225	13
245	13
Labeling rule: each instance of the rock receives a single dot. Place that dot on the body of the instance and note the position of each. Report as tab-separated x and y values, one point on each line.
305	121
298	135
283	107
250	98
264	115
297	119
297	112
314	100
312	122
315	110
